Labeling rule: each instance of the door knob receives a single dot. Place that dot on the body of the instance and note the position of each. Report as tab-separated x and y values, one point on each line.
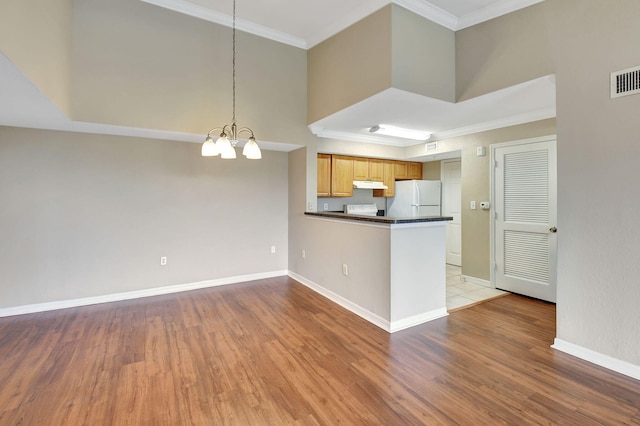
553	229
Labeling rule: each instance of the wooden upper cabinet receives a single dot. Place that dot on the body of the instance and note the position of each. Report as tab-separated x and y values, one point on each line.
376	170
415	170
405	170
324	175
360	168
336	174
401	170
388	179
341	176
368	169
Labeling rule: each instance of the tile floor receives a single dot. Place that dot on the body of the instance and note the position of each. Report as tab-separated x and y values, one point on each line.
462	294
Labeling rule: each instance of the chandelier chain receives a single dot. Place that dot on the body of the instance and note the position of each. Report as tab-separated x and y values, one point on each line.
225	146
234	62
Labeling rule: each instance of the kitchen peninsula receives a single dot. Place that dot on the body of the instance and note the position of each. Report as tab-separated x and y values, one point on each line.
388	270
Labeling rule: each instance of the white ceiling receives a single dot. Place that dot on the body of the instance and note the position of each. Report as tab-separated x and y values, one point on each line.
523	103
304	23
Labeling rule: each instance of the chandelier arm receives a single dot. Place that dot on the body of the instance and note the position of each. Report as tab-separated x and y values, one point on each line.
246	130
216	129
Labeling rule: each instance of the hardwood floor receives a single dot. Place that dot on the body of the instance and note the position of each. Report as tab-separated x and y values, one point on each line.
273	352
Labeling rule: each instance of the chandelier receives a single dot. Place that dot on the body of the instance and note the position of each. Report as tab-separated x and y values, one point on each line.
225	146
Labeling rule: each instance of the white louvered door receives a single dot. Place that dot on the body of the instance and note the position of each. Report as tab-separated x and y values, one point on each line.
525	239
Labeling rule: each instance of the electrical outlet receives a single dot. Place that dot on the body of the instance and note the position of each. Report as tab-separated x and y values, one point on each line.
345	269
304	254
326	206
273	249
163	261
473	205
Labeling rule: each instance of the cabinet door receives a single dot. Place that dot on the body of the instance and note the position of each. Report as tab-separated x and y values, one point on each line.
389	180
376	170
324	175
415	170
341	176
360	168
401	170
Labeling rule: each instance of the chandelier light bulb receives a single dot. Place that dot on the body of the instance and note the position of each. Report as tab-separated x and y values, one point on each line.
252	150
209	148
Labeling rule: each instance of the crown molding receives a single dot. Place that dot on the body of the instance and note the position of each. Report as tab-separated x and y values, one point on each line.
430	12
419	7
529	117
493	11
207	14
344	22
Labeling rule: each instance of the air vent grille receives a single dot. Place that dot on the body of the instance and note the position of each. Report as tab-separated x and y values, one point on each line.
625	82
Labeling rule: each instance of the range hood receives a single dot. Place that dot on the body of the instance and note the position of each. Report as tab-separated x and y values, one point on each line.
367	184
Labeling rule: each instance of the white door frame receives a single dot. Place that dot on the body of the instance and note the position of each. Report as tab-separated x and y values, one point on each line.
492	194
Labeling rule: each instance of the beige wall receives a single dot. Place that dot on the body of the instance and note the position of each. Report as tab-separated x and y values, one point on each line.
298	177
431	170
598	153
36	37
393	47
504	52
581	41
140	65
350	66
423	56
88	215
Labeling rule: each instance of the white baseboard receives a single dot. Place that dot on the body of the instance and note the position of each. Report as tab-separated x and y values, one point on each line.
597	358
136	294
417	319
475	280
345	303
377	320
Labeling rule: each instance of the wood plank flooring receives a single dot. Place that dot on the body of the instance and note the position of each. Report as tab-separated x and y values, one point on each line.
273	352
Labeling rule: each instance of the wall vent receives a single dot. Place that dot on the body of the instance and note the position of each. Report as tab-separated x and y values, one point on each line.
625	82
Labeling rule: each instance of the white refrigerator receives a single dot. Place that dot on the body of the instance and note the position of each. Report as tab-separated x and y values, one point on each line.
415	198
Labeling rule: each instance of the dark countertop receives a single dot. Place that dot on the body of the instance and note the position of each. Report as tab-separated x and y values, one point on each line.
379	219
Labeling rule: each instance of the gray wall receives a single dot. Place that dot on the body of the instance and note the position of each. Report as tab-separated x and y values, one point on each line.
359	54
140	65
36	36
423	56
86	215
